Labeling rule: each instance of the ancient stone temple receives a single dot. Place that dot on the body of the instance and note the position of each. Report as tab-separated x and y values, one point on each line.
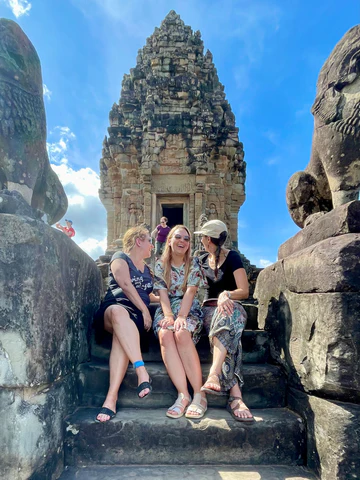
173	147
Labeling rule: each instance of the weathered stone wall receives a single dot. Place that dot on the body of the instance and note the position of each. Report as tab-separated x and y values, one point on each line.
172	137
309	302
49	289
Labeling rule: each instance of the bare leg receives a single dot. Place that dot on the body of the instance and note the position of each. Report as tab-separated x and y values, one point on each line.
118	322
190	359
219	354
118	366
173	363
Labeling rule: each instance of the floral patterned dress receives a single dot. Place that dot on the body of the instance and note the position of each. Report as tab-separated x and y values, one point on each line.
175	293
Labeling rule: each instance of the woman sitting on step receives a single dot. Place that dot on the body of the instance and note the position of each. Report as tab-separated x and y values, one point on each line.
224	316
178	321
124	313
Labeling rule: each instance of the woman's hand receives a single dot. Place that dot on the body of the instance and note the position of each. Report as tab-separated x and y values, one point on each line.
225	305
147	319
167	321
180	323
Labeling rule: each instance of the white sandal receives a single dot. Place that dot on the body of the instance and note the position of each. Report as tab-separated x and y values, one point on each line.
197	409
178	406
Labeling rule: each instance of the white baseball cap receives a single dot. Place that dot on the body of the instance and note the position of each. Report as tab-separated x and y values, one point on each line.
213	228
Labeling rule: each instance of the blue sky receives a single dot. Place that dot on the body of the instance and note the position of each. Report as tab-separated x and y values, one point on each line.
268	55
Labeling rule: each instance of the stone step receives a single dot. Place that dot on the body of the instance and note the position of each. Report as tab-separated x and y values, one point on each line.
148	437
254	342
264	387
173	472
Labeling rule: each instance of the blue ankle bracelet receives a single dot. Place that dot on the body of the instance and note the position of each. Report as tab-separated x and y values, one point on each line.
138	364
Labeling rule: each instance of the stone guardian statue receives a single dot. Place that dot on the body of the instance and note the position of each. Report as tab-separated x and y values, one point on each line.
24	162
332	177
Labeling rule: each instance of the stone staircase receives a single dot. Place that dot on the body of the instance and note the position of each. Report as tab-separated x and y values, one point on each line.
141	441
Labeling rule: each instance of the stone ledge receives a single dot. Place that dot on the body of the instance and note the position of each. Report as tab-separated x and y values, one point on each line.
341	220
148	437
333	435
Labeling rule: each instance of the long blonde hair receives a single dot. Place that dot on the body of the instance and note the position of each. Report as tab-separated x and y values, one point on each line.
167	257
131	235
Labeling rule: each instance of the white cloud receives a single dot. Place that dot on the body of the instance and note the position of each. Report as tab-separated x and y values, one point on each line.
265	263
57	149
46	92
81	187
273	161
93	247
18	7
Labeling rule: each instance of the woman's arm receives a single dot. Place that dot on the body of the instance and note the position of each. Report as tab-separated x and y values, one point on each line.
185	307
166	308
242	284
120	270
225	300
154	232
154	298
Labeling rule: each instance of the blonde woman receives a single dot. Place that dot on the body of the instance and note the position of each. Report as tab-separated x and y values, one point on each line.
124	314
178	321
224	316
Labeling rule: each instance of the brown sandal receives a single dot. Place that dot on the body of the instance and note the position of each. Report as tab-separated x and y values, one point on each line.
206	388
237	407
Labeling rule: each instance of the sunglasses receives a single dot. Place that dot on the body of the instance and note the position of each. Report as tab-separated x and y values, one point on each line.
186	238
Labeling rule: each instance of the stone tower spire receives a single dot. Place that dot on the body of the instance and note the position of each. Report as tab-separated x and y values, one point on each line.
173	147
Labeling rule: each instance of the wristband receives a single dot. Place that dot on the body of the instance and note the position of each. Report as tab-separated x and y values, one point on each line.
227	293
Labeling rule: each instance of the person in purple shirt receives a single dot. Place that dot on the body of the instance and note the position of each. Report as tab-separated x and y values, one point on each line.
160	233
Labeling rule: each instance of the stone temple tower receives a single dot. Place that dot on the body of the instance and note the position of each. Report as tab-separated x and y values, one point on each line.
173	148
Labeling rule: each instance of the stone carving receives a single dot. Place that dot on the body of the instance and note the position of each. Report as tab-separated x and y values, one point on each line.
24	162
132	215
172	133
332	176
212	212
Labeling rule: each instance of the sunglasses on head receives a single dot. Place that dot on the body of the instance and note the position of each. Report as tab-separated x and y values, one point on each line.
186	238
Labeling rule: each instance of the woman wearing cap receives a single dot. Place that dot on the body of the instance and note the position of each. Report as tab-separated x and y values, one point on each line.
124	314
178	321
224	316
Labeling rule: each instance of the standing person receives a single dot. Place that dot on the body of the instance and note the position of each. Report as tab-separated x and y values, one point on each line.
160	233
68	230
224	316
178	321
124	313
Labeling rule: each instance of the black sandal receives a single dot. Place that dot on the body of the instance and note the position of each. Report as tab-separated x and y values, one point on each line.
142	387
105	411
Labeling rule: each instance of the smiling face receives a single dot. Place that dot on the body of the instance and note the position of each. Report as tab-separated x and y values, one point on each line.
179	241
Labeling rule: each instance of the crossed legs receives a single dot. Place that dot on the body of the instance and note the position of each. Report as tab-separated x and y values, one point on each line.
125	348
239	408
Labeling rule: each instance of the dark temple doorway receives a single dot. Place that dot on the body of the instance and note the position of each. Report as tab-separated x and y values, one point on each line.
174	212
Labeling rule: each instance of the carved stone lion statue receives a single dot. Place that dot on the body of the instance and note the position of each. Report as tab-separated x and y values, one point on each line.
24	162
332	176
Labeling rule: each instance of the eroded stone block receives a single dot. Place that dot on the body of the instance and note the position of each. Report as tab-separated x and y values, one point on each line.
333	435
50	290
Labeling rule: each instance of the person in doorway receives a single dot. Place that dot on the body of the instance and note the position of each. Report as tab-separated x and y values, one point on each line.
124	313
68	230
160	234
178	321
224	316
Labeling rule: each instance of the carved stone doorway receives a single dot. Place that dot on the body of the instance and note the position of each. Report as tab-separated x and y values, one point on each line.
174	213
174	207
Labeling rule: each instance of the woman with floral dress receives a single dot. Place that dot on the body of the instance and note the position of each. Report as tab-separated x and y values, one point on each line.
178	321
